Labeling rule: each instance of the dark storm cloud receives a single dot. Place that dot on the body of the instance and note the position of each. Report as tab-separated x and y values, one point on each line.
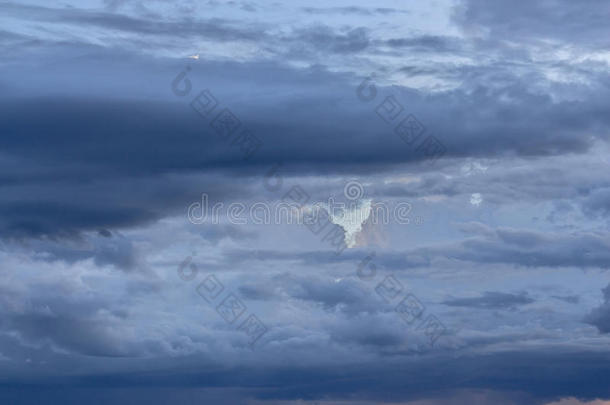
545	375
89	208
600	316
125	149
505	372
529	248
93	141
122	141
345	295
370	331
57	318
427	43
83	336
491	300
46	218
114	250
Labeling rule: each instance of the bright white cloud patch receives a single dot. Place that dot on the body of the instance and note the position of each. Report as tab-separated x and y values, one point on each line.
476	199
351	218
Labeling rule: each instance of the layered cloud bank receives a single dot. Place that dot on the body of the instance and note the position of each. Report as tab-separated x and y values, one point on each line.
479	127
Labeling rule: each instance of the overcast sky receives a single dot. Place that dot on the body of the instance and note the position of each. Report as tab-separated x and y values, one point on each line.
481	127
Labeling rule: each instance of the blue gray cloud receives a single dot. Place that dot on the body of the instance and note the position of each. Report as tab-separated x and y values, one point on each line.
489	292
